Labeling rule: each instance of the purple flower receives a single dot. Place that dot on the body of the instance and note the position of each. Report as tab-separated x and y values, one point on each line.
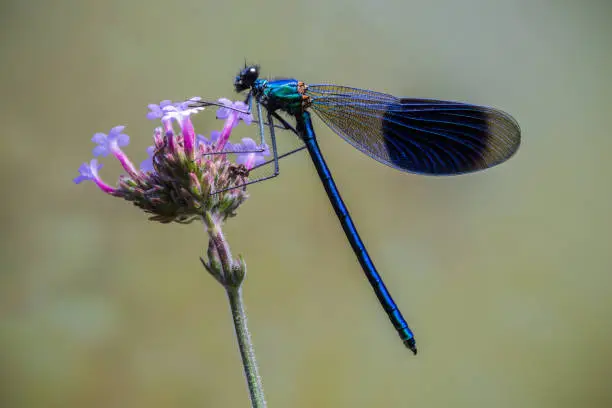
232	113
214	137
188	104
239	108
88	171
252	155
202	140
157	111
182	177
169	110
111	142
179	111
147	164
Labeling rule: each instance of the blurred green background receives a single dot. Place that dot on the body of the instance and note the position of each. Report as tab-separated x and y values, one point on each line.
505	275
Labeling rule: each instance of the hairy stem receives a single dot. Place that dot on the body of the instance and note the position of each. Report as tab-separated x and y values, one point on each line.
247	351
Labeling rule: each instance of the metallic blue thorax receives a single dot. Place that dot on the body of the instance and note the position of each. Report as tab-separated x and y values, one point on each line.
280	94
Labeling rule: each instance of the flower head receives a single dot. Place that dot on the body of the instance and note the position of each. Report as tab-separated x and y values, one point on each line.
185	175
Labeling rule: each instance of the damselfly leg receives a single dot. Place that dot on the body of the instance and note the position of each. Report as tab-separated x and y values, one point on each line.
269	123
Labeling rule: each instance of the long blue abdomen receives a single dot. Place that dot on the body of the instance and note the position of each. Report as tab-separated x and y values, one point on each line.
384	297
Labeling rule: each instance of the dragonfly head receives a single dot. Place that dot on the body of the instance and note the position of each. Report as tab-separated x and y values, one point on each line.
246	78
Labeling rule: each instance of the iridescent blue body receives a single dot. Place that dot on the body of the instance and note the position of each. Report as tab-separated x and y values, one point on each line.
414	135
280	94
307	134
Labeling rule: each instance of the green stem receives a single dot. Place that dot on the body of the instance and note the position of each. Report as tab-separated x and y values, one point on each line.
230	274
245	345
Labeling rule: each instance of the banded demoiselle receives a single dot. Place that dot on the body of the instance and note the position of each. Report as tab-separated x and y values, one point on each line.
424	136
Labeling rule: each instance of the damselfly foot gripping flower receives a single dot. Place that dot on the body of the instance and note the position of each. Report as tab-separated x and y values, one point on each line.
186	175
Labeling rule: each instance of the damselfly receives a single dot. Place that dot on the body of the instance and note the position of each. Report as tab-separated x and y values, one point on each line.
423	136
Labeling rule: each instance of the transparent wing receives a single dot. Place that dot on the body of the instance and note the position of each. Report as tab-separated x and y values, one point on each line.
423	136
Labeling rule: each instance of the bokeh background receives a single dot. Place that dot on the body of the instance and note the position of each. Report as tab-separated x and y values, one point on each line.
505	275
